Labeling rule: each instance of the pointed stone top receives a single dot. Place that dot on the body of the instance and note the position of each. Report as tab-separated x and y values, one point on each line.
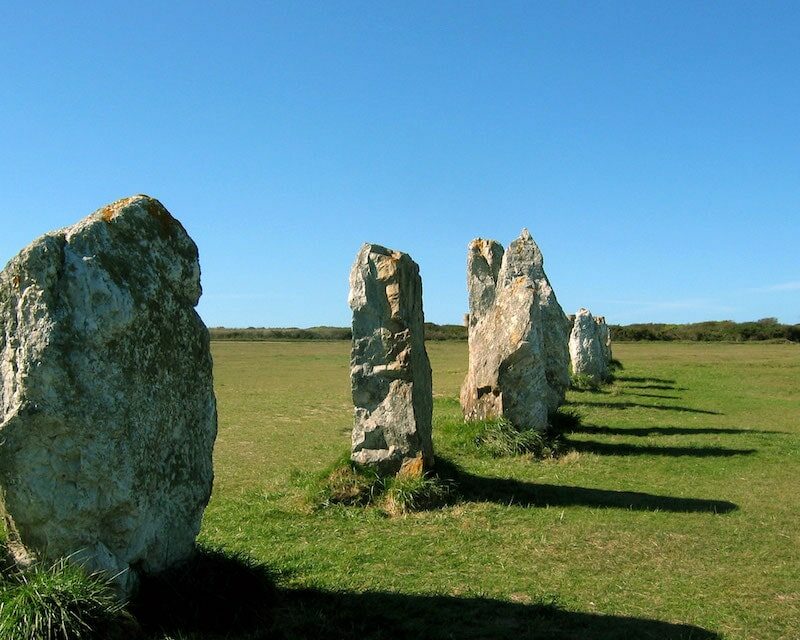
525	234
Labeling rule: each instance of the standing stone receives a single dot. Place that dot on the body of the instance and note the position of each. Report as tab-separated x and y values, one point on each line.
518	359
390	373
604	336
586	349
108	412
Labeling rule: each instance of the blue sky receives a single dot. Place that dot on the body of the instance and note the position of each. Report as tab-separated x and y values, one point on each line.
652	148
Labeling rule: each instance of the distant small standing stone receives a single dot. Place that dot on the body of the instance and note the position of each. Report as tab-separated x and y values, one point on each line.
587	349
108	416
390	373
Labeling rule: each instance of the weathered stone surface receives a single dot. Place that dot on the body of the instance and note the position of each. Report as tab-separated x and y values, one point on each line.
586	349
518	358
604	336
390	373
108	412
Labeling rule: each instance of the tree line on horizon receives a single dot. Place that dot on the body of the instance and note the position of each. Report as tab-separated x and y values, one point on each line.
710	331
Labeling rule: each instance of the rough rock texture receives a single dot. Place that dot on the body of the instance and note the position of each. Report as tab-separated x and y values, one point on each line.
586	349
518	358
390	373
604	336
108	416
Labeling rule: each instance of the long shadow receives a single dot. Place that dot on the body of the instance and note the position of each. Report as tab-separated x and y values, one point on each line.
641	379
239	599
630	405
657	387
622	449
508	491
389	616
663	396
666	431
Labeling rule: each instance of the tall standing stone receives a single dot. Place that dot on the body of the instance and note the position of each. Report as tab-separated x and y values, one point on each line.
586	349
604	336
518	360
390	373
108	411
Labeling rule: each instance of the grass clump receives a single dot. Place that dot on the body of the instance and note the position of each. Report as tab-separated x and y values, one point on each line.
60	602
347	483
501	438
343	483
405	494
584	382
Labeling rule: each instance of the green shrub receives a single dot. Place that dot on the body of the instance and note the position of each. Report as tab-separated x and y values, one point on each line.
60	602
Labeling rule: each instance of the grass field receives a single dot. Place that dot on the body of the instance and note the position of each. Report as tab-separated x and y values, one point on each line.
674	515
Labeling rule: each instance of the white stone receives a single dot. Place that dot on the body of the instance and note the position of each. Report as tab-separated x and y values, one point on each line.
107	412
587	349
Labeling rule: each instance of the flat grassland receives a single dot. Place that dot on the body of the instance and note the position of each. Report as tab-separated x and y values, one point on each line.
674	513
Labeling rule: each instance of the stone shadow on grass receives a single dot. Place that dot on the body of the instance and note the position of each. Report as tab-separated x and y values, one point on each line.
637	405
662	396
644	379
657	387
624	449
391	616
222	595
665	431
507	491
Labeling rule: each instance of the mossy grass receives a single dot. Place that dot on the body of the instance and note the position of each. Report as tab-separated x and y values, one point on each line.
60	601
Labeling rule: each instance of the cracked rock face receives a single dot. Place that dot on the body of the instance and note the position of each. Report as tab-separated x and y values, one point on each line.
518	358
390	373
107	410
587	348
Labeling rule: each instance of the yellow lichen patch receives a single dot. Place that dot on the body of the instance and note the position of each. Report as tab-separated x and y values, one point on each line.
386	267
108	213
412	468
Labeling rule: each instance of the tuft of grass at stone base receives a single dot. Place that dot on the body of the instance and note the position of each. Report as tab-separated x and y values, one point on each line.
60	602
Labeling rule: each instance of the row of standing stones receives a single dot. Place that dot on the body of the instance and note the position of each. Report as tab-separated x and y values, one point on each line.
521	345
107	409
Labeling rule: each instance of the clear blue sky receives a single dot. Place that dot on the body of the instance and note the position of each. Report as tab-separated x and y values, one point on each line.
652	148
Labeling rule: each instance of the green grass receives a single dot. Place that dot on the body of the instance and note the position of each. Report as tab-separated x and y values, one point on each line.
670	512
673	511
60	602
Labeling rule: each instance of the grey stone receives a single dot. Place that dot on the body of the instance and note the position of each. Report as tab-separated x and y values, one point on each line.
604	336
518	358
108	412
586	349
390	373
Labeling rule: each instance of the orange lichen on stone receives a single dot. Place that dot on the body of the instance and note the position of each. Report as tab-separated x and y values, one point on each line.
412	468
108	213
